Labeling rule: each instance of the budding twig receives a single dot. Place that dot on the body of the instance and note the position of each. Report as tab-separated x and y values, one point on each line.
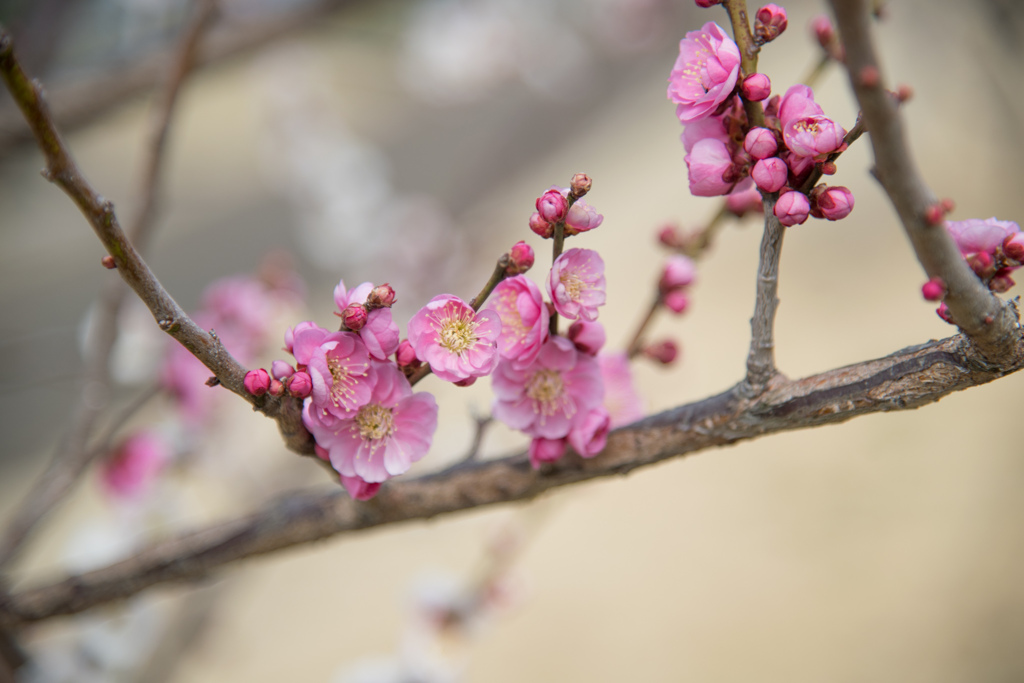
761	358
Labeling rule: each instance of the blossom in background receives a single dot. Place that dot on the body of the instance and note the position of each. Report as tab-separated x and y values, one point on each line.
621	398
385	436
130	470
705	72
576	284
456	341
524	318
379	332
589	433
975	235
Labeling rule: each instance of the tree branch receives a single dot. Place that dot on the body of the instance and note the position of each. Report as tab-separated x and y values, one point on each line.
761	358
904	380
989	322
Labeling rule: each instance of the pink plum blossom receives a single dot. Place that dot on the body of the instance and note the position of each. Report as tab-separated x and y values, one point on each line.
705	72
798	103
576	284
832	203
587	337
385	436
744	198
546	450
581	218
679	271
677	301
712	127
379	332
359	489
707	165
760	143
770	174
546	398
589	435
620	398
792	208
456	341
132	467
813	136
339	366
975	235
524	319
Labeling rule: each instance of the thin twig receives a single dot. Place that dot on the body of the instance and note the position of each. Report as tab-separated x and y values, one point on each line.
907	379
636	345
749	50
481	423
761	358
989	322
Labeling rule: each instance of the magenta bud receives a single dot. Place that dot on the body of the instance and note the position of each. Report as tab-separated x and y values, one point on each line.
546	450
321	452
588	337
943	312
769	22
1013	247
676	301
824	32
280	369
708	3
468	382
257	382
406	355
679	271
354	317
580	185
520	258
664	352
669	236
760	143
381	296
770	174
277	388
108	262
833	203
541	226
552	206
934	289
300	385
980	262
934	214
792	208
756	87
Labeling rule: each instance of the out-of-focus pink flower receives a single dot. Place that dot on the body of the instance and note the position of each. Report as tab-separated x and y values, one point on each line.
679	271
620	397
380	333
833	203
769	22
456	341
340	369
665	352
385	436
576	284
240	309
300	385
934	289
589	435
975	235
546	450
812	136
546	398
705	72
524	319
712	127
552	205
760	143
756	87
708	3
744	198
359	489
707	165
668	236
770	174
587	337
130	470
824	32
676	301
257	382
520	258
792	208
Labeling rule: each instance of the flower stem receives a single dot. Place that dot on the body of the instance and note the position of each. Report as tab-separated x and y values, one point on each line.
634	346
749	49
499	274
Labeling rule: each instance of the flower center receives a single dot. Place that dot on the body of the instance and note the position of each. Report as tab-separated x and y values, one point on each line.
806	126
456	333
375	422
344	381
547	390
573	284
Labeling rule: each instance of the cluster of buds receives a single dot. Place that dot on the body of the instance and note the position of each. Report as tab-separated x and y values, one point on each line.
769	23
282	379
679	273
564	205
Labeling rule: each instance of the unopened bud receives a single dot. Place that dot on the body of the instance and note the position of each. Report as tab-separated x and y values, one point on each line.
468	382
756	87
933	214
1013	247
300	385
770	174
827	168
277	388
792	208
981	263
904	92
769	22
552	206
541	226
381	296
580	185
679	271
280	369
676	301
664	352
708	3
823	30
520	258
832	203
406	355
108	262
257	382
760	143
934	289
669	236
354	317
943	312
588	337
947	204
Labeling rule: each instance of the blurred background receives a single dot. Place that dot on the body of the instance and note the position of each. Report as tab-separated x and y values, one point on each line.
406	142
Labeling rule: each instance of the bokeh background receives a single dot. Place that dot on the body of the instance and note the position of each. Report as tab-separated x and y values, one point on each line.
406	142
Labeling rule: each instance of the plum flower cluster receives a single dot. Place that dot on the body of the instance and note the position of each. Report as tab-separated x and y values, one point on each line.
725	152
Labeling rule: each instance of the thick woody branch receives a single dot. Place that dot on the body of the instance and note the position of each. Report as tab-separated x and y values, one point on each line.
990	323
904	380
761	358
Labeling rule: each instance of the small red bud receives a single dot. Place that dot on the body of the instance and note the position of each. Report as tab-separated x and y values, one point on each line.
943	312
257	382
947	204
520	258
827	168
933	214
552	206
405	356
468	382
934	289
823	30
677	301
1013	247
769	22
354	317
869	76
664	352
989	320
276	388
903	93
580	185
382	296
669	236
108	262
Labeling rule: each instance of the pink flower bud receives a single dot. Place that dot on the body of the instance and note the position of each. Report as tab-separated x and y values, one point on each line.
679	271
468	382
770	174
676	301
821	27
981	263
546	450
760	143
588	337
934	289
541	226
943	312
358	488
280	369
769	22
108	262
552	206
664	352
276	388
580	185
833	203
792	208
354	317
581	218
300	385
382	296
669	236
1001	282
406	355
756	87
520	259
1013	247
257	382
321	452
708	3
707	165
